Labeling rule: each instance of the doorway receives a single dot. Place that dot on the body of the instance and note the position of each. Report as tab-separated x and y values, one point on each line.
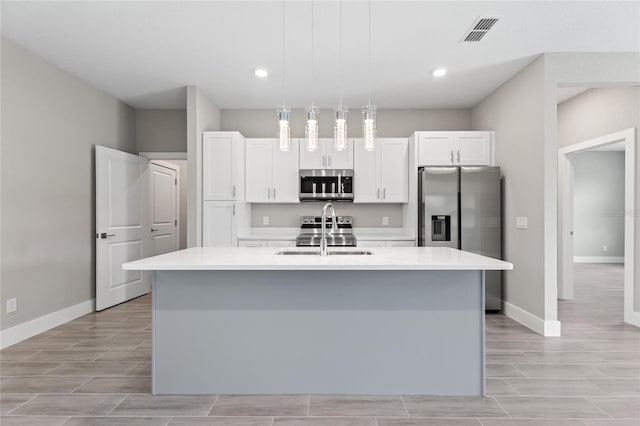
177	160
567	156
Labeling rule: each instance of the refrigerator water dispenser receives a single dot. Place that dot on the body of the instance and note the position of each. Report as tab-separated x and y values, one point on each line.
441	228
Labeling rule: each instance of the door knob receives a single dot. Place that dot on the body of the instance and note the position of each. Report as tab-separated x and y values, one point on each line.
154	230
104	235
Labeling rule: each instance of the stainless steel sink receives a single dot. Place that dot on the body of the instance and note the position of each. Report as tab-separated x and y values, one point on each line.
331	253
351	253
300	253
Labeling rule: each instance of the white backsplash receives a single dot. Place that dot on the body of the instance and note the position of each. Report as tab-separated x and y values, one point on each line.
364	215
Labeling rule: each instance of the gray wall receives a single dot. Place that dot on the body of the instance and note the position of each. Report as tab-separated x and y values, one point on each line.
50	122
515	112
598	112
261	123
598	198
202	115
161	130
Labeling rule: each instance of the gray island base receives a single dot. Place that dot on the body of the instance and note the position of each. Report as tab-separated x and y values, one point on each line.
318	332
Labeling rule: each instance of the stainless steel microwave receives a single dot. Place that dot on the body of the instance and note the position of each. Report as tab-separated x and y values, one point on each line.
325	184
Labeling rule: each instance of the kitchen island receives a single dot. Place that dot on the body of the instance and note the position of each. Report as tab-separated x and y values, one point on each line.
252	321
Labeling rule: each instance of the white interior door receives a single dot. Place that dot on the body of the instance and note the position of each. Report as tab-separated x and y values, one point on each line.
164	215
122	225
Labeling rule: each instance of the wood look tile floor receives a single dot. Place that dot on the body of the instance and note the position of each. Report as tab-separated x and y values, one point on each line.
96	371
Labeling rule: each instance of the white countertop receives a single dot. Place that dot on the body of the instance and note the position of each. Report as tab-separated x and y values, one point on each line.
266	258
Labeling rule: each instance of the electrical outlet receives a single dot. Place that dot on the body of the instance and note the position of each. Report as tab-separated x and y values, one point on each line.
265	220
522	222
12	305
385	220
605	248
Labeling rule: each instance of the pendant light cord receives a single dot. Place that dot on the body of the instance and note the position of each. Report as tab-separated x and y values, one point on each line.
313	75
370	53
283	62
340	32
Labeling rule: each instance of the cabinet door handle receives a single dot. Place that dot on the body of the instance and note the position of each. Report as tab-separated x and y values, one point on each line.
378	194
233	191
274	192
268	193
329	160
458	156
323	161
451	156
233	209
384	193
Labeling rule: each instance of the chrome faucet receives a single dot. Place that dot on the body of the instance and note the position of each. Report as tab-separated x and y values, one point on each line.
334	226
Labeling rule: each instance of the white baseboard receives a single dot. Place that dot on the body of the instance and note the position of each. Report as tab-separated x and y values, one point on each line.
540	326
632	318
23	331
598	259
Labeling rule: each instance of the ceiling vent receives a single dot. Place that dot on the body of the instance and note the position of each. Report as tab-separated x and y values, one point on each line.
479	28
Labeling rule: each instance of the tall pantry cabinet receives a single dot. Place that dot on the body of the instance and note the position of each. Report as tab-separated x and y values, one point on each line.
223	208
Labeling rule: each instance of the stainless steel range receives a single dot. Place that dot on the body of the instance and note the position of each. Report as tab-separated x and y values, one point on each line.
311	229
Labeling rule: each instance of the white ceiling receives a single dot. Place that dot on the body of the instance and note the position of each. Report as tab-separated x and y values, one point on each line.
144	53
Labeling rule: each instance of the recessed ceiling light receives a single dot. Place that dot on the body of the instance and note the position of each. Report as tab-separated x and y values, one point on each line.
439	72
260	72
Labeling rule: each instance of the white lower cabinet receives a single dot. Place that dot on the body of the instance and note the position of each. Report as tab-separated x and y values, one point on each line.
219	224
281	243
386	243
266	243
252	243
401	243
371	243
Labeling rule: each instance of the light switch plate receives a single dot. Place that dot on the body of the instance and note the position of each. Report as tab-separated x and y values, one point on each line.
522	222
385	220
265	220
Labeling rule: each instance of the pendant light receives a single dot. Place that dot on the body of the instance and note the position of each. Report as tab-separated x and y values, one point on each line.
369	111
284	129
311	129
340	129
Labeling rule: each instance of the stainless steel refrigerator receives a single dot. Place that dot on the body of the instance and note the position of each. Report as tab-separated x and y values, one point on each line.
460	207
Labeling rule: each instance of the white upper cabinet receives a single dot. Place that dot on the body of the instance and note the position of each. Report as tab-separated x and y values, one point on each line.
271	174
222	172
455	148
382	175
393	169
286	174
366	183
258	166
475	148
326	156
